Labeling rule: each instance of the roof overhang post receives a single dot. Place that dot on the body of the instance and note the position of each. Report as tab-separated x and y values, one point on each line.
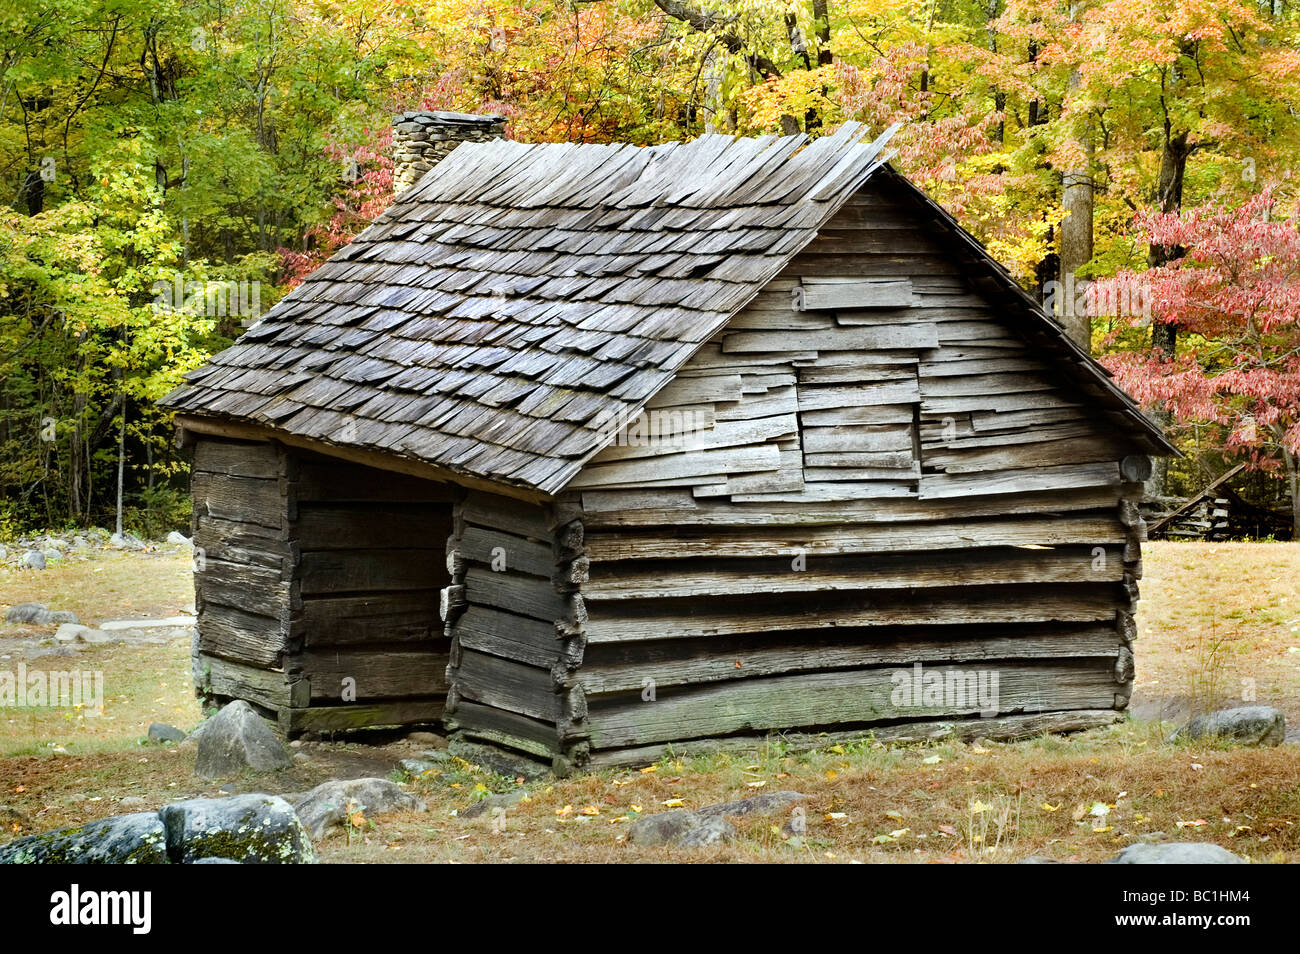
423	139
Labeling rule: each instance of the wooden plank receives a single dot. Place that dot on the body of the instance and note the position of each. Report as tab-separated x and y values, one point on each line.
238	458
505	684
498	633
269	688
919	335
525	595
406	616
622	667
237	634
374	673
835	698
982	567
351	571
936	486
505	552
414	526
361	715
1076	603
238	499
700	463
323	480
836	293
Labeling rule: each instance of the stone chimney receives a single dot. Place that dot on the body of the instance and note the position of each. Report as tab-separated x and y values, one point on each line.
423	139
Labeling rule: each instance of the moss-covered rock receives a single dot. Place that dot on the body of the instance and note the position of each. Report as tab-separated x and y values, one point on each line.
137	839
254	829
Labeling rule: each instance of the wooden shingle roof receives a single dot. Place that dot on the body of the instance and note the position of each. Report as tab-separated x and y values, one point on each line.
503	312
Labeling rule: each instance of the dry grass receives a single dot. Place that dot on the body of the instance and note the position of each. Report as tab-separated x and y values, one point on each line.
141	684
1219	622
871	803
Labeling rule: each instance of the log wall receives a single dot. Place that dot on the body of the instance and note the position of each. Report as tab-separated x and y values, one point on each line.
868	468
317	586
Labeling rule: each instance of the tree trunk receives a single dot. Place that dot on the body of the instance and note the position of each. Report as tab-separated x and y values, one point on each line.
1076	238
121	468
1293	487
1164	334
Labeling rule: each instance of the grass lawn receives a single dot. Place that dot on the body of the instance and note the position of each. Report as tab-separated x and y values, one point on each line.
1212	616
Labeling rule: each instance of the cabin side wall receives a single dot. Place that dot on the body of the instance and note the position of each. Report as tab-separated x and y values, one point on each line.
848	480
514	618
317	587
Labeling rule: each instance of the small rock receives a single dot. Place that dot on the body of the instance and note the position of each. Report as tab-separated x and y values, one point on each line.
1176	853
124	839
176	538
235	739
215	861
128	541
1038	860
33	560
1248	725
228	789
679	828
38	614
330	803
483	805
52	555
161	732
259	829
131	801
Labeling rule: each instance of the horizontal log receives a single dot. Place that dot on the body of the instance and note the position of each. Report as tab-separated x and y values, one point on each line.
681	619
319	479
622	667
880	538
506	684
269	688
507	729
506	552
237	634
382	617
815	700
361	716
499	633
239	499
1070	564
411	526
374	672
352	571
238	458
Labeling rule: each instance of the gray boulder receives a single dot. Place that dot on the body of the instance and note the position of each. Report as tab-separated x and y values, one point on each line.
253	829
237	739
38	614
704	826
176	538
33	560
330	803
1176	853
160	732
1248	725
680	828
765	802
137	839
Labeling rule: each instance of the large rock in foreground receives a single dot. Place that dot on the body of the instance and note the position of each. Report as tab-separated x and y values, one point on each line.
237	739
254	829
1177	853
331	803
1248	725
137	839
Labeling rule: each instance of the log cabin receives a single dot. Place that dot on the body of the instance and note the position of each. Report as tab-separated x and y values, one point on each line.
594	452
